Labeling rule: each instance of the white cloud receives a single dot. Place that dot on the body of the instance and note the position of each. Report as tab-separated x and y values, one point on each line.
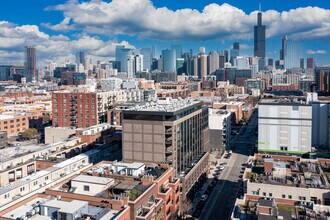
316	52
142	18
13	38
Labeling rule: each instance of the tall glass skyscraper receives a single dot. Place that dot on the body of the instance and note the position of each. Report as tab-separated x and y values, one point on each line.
169	60
292	55
147	58
30	64
260	38
122	55
178	50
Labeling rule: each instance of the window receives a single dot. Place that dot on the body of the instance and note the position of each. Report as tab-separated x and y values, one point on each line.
270	194
86	188
255	192
22	189
283	196
264	194
289	196
302	198
295	108
284	148
46	178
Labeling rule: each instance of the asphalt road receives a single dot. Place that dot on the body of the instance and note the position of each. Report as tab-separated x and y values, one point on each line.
221	202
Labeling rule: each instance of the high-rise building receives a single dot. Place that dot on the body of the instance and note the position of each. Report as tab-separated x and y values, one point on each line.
202	50
138	63
270	62
260	38
153	51
30	64
322	79
130	66
292	55
80	57
283	50
147	58
241	62
213	62
202	66
169	60
169	130
310	63
122	55
226	54
221	61
302	63
234	52
178	50
180	66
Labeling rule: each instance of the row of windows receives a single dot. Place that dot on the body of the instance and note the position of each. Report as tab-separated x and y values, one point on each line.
12	121
301	198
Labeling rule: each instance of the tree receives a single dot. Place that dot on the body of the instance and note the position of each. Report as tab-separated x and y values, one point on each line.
30	133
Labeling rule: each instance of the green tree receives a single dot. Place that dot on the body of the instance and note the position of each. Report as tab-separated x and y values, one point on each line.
30	133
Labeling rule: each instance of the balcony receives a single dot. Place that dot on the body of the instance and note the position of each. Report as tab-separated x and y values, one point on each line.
168	131
168	142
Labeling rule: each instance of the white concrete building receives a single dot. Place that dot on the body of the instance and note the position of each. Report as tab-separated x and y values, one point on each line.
285	125
91	185
220	128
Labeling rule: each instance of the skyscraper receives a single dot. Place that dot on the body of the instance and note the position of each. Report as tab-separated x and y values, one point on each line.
30	64
226	54
178	50
147	58
80	57
260	38
234	52
122	55
322	79
202	66
169	60
302	63
292	55
138	63
283	50
213	62
310	63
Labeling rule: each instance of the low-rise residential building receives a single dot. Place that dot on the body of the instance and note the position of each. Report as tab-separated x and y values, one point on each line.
150	191
288	180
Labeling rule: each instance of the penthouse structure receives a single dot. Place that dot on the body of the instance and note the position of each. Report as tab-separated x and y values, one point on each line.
171	130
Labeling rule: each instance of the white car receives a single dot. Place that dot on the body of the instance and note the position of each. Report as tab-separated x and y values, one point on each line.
204	197
222	166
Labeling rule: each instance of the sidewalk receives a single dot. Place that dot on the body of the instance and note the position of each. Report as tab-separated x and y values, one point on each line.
210	177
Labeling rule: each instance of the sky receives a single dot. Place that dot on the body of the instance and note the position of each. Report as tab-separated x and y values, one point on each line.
61	28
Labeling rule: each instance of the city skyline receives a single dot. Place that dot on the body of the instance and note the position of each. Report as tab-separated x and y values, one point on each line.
95	27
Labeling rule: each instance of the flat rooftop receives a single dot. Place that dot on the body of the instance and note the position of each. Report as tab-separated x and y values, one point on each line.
290	172
92	179
164	105
284	100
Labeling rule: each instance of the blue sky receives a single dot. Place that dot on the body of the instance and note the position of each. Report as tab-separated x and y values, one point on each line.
59	28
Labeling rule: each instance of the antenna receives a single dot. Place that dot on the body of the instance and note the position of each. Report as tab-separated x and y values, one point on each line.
260	6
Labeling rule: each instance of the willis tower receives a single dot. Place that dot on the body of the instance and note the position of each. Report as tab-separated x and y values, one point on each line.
260	38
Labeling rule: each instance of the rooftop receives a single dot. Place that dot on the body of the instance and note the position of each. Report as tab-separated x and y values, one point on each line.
164	105
290	172
92	179
285	100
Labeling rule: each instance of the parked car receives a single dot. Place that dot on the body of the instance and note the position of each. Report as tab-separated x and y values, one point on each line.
204	197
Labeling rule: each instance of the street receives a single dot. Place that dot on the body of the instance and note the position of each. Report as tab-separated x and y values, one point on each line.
221	201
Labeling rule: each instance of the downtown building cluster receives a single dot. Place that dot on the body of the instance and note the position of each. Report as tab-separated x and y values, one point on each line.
131	138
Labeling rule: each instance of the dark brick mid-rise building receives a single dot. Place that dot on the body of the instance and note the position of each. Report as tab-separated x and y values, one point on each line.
74	109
